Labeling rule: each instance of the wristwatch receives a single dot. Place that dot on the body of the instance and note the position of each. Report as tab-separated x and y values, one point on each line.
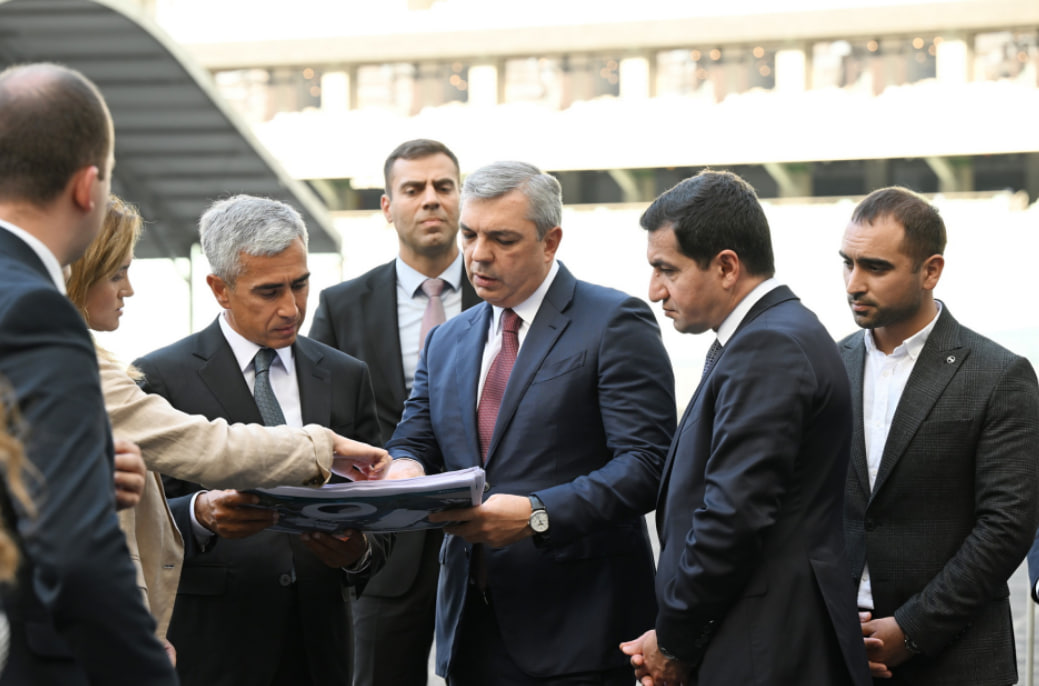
538	516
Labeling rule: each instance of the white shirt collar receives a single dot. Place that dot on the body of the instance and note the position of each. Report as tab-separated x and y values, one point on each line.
411	279
735	318
245	350
528	309
910	346
50	262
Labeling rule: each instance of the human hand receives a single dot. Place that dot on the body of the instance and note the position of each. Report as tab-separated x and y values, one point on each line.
130	474
171	652
885	644
650	665
358	461
225	513
405	468
501	520
342	550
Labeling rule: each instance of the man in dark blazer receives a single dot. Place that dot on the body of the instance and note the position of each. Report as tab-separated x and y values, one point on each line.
74	611
540	582
378	318
256	607
751	581
940	502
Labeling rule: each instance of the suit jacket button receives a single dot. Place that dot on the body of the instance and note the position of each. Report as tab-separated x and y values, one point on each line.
285	579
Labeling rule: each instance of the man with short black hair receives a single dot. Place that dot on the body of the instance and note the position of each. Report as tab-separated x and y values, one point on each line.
751	581
382	317
940	501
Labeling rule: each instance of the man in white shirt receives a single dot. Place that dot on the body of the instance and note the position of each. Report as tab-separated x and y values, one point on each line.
255	606
383	317
940	501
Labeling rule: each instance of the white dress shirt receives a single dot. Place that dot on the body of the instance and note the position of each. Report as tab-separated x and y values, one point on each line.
526	310
283	382
884	379
411	305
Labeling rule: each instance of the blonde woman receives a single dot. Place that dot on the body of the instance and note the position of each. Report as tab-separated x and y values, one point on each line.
189	447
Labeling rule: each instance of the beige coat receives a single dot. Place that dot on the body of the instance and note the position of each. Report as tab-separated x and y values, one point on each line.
190	447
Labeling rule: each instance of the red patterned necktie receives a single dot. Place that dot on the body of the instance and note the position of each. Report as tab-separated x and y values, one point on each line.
497	379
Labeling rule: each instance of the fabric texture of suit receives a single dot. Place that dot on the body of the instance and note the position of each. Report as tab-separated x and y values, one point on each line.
394	617
953	509
230	617
584	423
75	613
752	581
190	447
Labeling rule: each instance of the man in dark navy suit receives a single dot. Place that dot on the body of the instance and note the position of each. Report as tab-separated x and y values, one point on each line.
562	390
752	582
75	612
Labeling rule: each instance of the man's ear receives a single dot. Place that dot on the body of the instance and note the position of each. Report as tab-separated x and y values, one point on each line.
728	265
932	271
82	186
221	290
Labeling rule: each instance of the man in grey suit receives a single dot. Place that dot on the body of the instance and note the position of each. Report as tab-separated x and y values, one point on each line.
940	501
253	606
382	317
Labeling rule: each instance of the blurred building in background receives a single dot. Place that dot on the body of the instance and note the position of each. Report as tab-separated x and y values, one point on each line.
815	102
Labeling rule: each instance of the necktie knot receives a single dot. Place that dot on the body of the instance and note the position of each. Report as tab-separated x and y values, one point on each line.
264	358
510	321
433	287
712	356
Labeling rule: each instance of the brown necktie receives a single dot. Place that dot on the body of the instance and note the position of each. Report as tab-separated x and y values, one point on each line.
434	313
497	379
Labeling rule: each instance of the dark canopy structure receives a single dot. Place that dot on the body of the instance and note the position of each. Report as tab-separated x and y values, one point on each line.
179	146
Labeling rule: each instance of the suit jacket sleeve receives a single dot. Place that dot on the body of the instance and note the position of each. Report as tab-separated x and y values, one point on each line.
213	453
322	328
1006	515
1033	567
763	389
80	568
636	397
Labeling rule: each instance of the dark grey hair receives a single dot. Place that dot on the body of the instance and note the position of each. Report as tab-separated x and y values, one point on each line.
543	192
245	223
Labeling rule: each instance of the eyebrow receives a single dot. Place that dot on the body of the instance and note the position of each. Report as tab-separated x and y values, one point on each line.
296	282
867	261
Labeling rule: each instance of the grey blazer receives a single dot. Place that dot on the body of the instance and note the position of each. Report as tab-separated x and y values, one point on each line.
954	508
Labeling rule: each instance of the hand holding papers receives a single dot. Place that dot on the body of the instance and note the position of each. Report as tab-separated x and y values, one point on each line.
382	506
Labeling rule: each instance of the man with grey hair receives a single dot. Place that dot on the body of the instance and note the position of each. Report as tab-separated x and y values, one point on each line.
563	392
256	607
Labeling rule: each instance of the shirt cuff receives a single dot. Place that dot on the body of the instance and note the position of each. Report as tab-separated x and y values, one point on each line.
203	536
365	560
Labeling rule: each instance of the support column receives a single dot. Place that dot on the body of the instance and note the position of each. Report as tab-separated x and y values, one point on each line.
636	82
483	85
791	71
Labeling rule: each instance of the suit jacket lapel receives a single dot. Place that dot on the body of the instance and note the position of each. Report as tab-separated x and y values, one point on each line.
382	341
315	383
854	354
220	373
467	359
939	361
767	301
549	323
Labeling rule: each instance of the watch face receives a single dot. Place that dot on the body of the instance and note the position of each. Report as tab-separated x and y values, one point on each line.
539	521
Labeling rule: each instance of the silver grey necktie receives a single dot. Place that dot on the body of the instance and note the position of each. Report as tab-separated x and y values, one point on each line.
712	356
266	401
434	313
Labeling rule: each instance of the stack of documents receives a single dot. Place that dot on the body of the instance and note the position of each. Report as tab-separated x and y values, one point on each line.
383	506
